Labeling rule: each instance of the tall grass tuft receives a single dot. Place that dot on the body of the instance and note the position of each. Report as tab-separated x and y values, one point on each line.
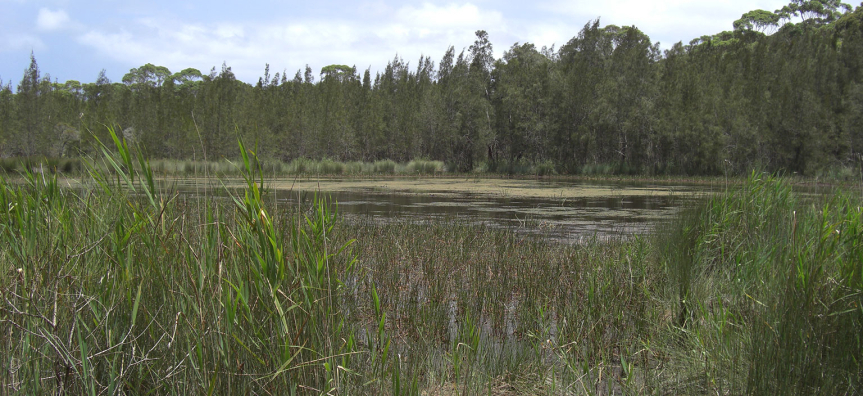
386	167
16	165
768	292
125	286
425	167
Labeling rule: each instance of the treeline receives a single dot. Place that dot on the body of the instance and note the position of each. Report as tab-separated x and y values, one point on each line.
610	99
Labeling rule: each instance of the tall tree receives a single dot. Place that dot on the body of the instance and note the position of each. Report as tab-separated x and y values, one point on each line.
762	21
522	104
814	11
32	96
7	110
473	93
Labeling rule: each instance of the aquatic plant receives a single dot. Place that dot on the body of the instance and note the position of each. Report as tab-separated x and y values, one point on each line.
126	286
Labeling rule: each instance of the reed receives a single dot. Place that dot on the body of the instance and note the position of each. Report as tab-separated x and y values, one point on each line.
126	286
425	167
768	292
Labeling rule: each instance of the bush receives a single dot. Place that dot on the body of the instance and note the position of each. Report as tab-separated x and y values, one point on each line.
330	167
545	168
766	286
387	167
426	167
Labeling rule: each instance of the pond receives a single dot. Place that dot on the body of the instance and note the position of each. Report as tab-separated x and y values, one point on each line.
566	211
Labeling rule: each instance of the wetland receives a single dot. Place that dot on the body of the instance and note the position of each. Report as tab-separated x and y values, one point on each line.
564	211
427	286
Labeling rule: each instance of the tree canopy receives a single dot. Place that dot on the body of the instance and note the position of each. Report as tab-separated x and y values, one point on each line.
783	90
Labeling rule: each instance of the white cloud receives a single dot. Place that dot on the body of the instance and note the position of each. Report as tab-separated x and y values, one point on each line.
48	20
246	47
666	21
373	31
547	34
449	17
373	9
20	42
377	31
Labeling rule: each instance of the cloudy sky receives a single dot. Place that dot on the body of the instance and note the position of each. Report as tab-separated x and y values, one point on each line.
76	39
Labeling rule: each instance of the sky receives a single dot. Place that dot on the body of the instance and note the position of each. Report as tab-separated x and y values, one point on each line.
74	40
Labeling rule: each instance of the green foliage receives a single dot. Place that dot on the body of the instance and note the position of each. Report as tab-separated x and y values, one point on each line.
773	94
758	20
150	75
814	11
425	167
125	286
15	166
109	293
770	288
340	73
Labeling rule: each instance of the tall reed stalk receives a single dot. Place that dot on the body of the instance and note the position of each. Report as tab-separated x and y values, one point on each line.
124	286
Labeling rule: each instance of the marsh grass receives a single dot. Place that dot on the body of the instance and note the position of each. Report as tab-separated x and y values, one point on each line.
18	165
768	291
127	287
476	310
300	166
520	167
121	288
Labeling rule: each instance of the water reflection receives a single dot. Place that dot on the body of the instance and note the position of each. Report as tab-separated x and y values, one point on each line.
566	220
566	212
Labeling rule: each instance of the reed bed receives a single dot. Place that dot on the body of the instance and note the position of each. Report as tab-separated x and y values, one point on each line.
768	288
300	166
123	288
41	165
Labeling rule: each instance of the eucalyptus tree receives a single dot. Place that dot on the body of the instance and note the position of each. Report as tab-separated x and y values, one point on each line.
100	109
187	77
583	60
761	21
338	87
446	109
68	106
816	12
148	108
472	90
776	93
32	98
849	30
428	104
368	122
628	95
7	111
148	75
216	112
523	104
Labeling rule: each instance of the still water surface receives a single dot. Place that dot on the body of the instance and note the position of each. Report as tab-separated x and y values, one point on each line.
561	211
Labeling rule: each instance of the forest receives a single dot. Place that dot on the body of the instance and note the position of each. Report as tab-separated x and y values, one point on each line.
781	92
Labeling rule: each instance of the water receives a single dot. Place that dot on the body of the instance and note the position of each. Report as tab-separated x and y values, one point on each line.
561	211
568	220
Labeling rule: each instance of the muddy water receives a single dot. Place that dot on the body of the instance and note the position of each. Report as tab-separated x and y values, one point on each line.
562	211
